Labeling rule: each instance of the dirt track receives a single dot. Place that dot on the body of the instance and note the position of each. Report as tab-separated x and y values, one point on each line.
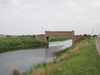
98	44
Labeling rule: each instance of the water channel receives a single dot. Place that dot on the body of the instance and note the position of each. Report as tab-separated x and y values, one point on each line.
24	59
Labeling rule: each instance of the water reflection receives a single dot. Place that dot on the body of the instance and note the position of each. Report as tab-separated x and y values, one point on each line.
24	59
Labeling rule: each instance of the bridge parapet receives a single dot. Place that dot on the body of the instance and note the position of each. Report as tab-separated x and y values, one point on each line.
59	33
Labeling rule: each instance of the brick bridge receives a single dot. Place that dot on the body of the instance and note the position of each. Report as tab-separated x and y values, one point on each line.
49	34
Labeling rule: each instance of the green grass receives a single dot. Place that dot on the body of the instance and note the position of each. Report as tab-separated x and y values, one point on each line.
85	61
19	42
81	59
59	38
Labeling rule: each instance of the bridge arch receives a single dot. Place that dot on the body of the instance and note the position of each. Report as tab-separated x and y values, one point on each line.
49	34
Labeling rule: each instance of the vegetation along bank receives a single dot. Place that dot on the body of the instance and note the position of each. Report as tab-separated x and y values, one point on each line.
80	59
59	38
11	43
19	42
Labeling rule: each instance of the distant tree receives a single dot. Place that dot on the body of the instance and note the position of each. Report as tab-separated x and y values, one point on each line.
8	35
94	35
85	35
1	35
89	35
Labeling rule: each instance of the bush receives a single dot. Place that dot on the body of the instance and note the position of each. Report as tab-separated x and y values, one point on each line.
15	72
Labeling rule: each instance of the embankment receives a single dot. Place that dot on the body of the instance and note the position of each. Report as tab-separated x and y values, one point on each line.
81	59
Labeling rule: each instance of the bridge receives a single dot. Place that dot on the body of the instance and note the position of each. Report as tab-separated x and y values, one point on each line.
49	34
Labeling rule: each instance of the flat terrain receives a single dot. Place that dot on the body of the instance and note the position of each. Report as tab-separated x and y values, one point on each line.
98	44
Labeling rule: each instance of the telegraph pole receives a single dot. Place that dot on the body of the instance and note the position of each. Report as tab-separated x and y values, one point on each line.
41	30
92	32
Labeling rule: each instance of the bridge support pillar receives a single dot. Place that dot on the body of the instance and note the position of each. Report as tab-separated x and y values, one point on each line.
47	42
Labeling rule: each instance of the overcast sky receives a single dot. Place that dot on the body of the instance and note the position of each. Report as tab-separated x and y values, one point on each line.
22	17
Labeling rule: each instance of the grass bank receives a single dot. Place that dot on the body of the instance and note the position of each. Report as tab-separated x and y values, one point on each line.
59	38
81	59
19	42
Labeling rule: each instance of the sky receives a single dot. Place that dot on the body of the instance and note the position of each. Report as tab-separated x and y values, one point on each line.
29	17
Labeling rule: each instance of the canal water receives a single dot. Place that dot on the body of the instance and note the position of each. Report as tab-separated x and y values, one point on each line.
23	60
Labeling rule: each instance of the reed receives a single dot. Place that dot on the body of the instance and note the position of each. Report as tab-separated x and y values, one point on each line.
19	42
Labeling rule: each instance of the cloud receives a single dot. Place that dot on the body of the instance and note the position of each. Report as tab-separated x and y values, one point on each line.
49	13
94	3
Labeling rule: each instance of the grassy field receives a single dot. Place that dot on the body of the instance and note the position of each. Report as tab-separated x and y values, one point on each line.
59	38
19	42
81	59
